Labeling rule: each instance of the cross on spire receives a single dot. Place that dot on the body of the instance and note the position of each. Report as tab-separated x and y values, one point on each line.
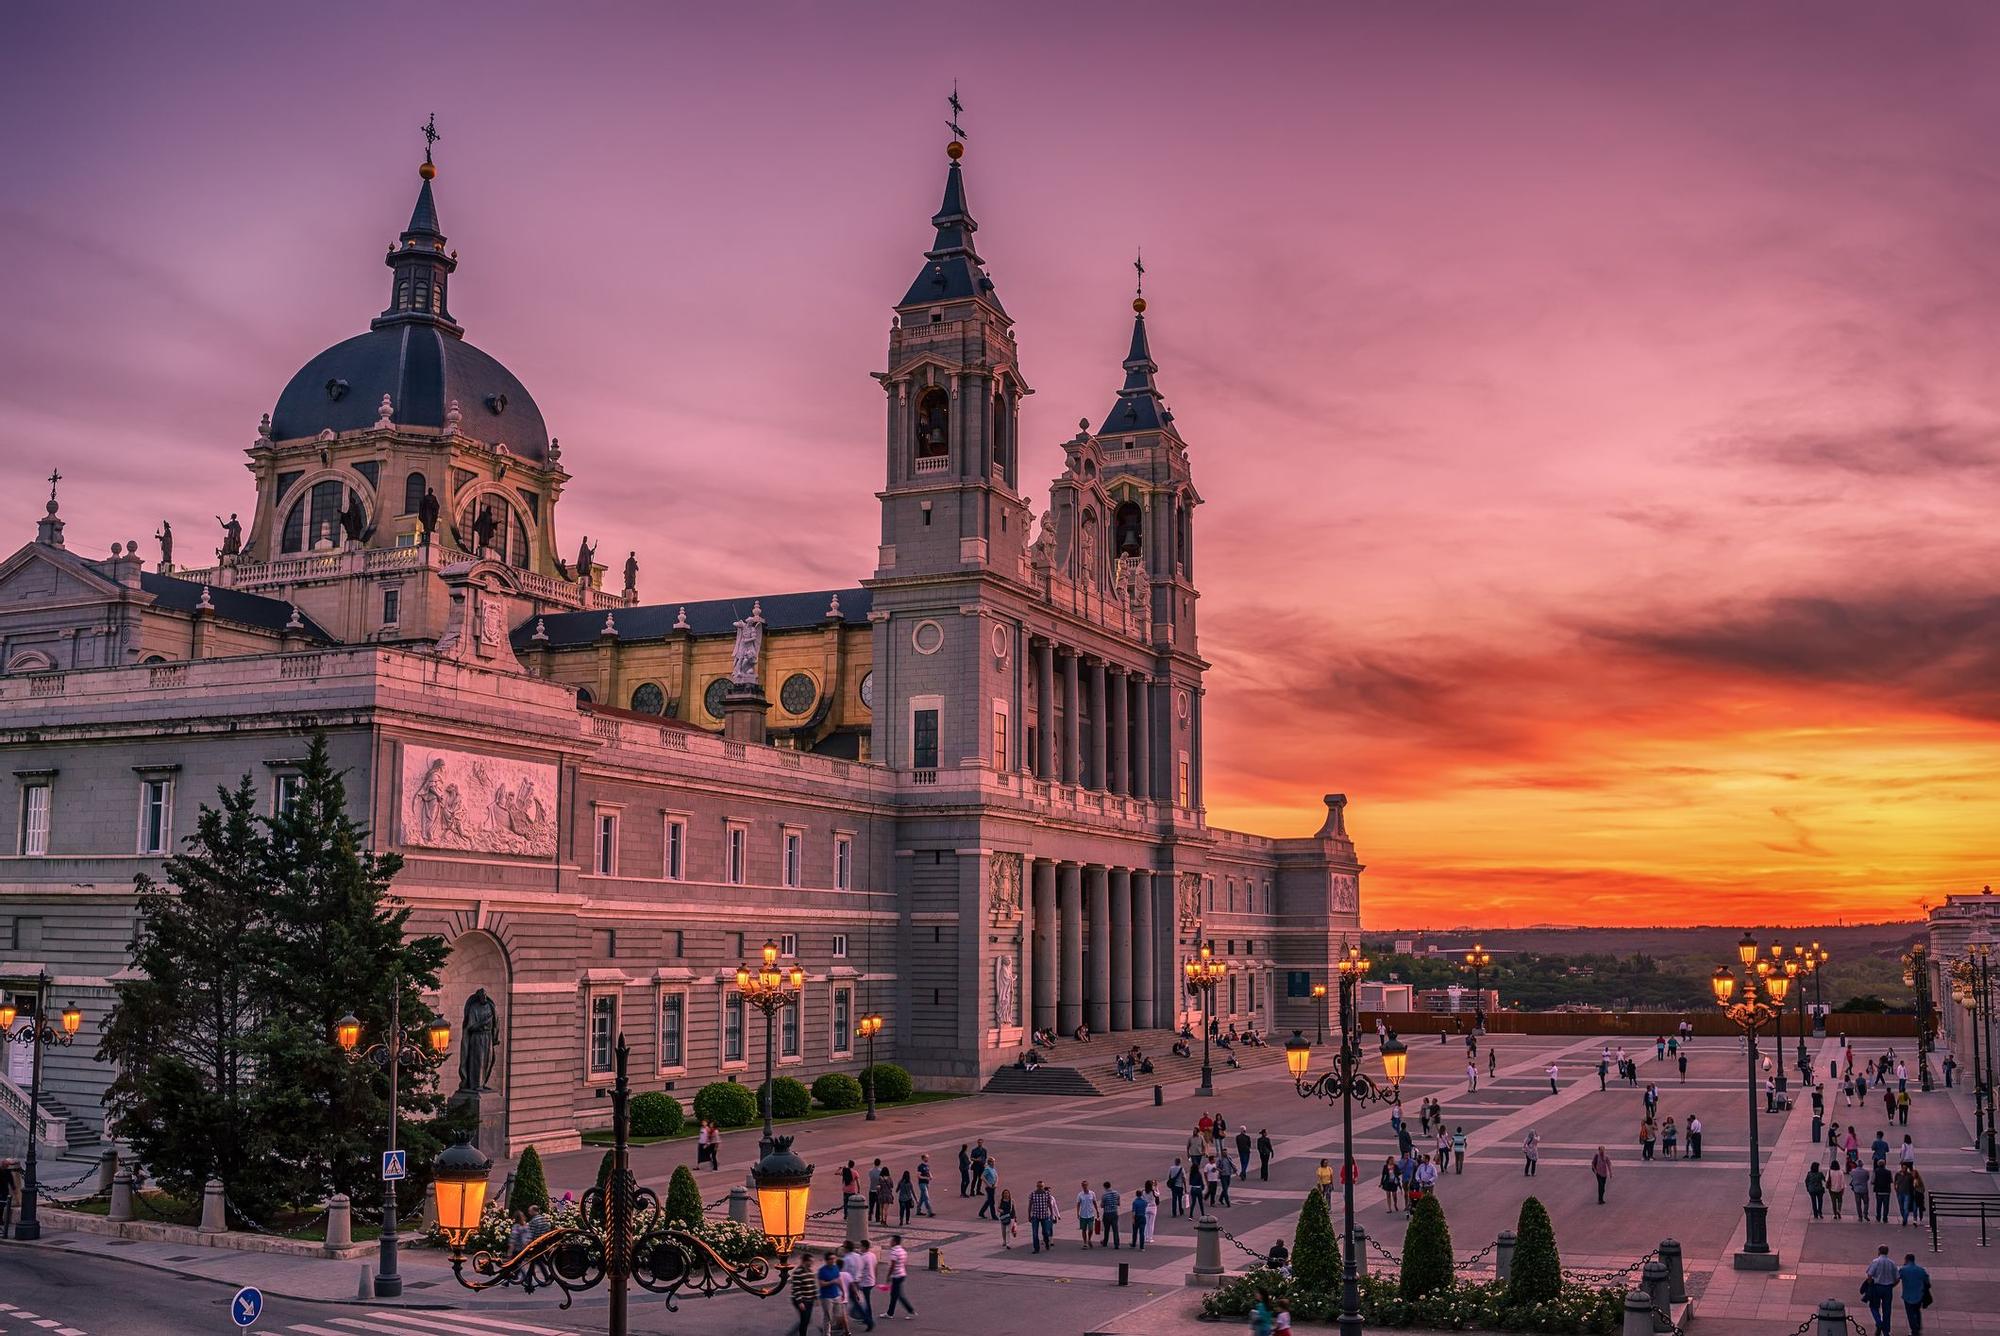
957	109
1139	267
430	131
55	476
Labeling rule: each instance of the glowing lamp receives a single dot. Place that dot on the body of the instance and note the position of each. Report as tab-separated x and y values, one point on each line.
770	954
1724	984
1298	1055
347	1032
72	1019
742	977
1395	1060
1791	969
1980	943
784	1190
439	1035
1319	991
1746	949
8	1011
460	1175
798	978
1777	984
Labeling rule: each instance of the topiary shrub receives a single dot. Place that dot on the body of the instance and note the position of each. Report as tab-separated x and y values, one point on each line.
531	1183
655	1114
1315	1251
891	1082
683	1205
1426	1250
791	1099
1536	1275
725	1104
837	1090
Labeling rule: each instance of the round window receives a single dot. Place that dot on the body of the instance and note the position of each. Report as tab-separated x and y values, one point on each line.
1000	642
927	637
868	689
711	699
798	693
647	698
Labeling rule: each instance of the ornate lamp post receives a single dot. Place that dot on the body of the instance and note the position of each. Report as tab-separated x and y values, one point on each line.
1751	1014
424	1049
1979	949
1476	960
1818	955
663	1258
868	1027
1203	973
1917	978
770	990
1961	993
1804	1061
1347	1081
38	1034
1773	968
1319	1018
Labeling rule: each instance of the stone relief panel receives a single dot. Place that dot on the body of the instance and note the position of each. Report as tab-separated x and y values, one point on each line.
478	804
1003	895
1190	902
1346	892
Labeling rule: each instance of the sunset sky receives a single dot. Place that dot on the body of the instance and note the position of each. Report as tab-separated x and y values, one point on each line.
1595	404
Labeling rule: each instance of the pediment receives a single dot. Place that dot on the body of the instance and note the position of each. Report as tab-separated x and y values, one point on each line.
41	576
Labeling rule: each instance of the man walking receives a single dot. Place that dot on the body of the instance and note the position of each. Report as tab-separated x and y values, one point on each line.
1107	1214
1878	1286
1683	1061
1916	1292
1264	1149
1243	1151
1224	1172
1458	1150
989	1178
1600	1164
1694	1137
1553	1089
899	1272
1042	1213
1177	1184
924	1186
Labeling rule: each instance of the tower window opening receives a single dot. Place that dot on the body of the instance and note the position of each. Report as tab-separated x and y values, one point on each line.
933	424
414	487
402	294
1128	525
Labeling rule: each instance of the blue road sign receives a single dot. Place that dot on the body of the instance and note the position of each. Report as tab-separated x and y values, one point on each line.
245	1307
393	1166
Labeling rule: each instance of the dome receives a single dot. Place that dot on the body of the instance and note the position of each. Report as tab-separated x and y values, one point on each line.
423	369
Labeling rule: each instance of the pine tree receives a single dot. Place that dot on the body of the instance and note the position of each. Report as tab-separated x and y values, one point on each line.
683	1198
1536	1274
179	1033
1315	1250
1427	1263
531	1183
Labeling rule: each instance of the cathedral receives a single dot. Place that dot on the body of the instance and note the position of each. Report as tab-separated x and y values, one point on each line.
964	794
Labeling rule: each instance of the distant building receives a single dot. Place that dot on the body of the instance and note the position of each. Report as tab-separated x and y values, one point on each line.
1951	923
1455	998
1387	997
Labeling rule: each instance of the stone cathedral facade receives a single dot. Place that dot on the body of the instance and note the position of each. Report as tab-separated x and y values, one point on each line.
965	794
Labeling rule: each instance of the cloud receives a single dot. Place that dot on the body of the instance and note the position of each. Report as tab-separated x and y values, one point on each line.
1921	450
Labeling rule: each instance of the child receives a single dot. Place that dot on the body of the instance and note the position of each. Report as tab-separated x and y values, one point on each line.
1281	1325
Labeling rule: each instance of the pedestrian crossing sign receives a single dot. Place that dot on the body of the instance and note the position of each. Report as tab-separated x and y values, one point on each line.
393	1165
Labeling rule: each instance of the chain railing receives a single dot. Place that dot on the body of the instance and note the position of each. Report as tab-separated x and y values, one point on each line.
256	1228
1247	1250
50	1194
1607	1277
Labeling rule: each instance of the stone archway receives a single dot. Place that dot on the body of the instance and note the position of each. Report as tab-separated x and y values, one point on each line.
478	961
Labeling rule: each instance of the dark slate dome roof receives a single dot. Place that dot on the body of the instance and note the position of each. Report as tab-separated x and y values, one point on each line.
422	368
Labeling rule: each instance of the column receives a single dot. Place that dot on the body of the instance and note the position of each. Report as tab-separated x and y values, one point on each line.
1044	996
1119	753
1045	710
1145	1015
1194	751
1120	942
1069	891
1025	985
1142	767
1099	772
1098	890
1072	761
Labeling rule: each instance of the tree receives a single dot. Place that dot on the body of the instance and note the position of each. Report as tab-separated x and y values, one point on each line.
1869	1005
1315	1251
338	944
180	1031
1427	1263
1536	1274
531	1183
683	1198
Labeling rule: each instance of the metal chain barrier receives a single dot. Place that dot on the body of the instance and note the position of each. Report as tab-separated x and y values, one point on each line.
1803	1326
256	1228
48	1194
711	1205
1477	1257
1391	1258
1855	1323
1247	1250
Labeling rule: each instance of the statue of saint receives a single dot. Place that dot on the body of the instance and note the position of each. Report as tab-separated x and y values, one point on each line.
586	556
483	527
749	642
165	538
232	536
351	518
1003	991
478	1042
427	514
632	570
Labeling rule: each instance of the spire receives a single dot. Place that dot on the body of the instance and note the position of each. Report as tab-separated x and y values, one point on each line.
419	260
49	532
952	268
1139	407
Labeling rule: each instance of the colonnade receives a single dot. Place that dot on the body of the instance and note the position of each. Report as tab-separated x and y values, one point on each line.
1115	753
1125	916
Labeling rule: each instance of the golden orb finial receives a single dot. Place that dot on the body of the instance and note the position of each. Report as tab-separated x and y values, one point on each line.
427	171
954	150
1139	305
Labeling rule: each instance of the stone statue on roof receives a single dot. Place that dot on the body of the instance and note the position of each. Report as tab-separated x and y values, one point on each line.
483	527
631	570
427	513
749	644
586	555
165	538
232	536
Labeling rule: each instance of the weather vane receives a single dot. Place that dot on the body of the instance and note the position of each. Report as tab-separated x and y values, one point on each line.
430	129
957	109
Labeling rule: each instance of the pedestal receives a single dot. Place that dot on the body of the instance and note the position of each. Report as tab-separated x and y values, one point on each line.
1207	1273
743	711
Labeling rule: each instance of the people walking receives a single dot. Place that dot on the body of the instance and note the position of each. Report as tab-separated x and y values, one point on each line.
1141	1211
1225	1172
1600	1164
1553	1070
1878	1286
1531	1151
924	1186
1086	1214
1916	1287
1816	1188
1264	1151
906	1197
859	1264
1836	1184
899	1272
989	1179
804	1292
1009	1231
1458	1150
832	1290
1858	1178
1243	1144
1882	1181
1107	1215
1391	1181
1042	1216
1177	1184
1471	1077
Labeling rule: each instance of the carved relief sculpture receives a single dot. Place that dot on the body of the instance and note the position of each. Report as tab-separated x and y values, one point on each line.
1004	888
1345	890
1004	994
477	804
1190	902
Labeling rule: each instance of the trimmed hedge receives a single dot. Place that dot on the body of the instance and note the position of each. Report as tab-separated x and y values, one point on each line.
655	1113
1478	1305
1315	1251
837	1090
1427	1262
892	1083
683	1206
725	1104
790	1099
531	1183
1536	1275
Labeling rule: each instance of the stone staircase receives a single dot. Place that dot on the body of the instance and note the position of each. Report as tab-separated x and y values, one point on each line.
1090	1067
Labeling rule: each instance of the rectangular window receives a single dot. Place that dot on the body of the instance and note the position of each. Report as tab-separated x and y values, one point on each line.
795	858
156	815
1184	783
676	943
732	1027
676	858
603	1033
673	1026
392	606
999	735
843	862
1253	993
34	819
788	1030
924	740
284	792
607	844
788	944
840	946
843	1020
738	847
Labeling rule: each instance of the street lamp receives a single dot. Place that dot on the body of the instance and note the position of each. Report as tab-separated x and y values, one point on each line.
1961	993
770	990
1818	956
664	1259
1347	1081
1917	977
1319	1013
1203	973
424	1049
1769	969
1476	960
868	1028
1980	948
1750	1015
37	1034
1804	1062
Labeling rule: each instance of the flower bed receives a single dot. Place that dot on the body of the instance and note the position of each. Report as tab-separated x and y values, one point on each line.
1460	1306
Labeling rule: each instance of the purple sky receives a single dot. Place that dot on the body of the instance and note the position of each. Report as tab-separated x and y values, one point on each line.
1594	403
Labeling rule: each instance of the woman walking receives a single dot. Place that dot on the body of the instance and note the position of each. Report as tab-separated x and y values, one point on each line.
1816	1187
1836	1183
906	1198
1600	1164
1531	1152
1008	1230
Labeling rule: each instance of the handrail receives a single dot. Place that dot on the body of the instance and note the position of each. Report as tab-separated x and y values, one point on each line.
50	1130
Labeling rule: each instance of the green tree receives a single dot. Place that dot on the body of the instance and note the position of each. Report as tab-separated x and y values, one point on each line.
683	1198
531	1183
180	1032
1315	1251
1536	1274
655	1113
338	944
1426	1250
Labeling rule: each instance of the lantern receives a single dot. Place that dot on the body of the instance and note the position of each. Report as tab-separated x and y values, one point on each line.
742	977
347	1032
1746	949
784	1190
1395	1059
1298	1055
8	1011
770	954
439	1035
1724	984
72	1019
1777	984
460	1175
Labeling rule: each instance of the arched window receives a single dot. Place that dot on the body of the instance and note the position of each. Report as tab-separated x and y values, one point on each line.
154	658
1000	432
294	537
414	487
1129	529
583	696
647	698
933	424
510	531
1182	557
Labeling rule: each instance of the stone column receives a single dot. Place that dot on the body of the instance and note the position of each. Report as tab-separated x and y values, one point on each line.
1045	945
1099	771
1069	891
1045	710
1145	1012
1120	943
1120	753
1194	750
1024	984
1072	761
1142	760
1098	890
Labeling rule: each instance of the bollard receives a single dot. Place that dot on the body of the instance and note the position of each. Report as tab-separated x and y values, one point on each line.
121	1198
212	1221
1638	1314
1655	1285
1124	1273
428	1221
1207	1272
1159	1096
1503	1256
367	1289
1360	1252
1670	1253
739	1206
1832	1317
107	1169
857	1216
339	1222
937	1259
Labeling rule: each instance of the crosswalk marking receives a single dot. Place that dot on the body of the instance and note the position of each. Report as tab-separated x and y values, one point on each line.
411	1323
455	1323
